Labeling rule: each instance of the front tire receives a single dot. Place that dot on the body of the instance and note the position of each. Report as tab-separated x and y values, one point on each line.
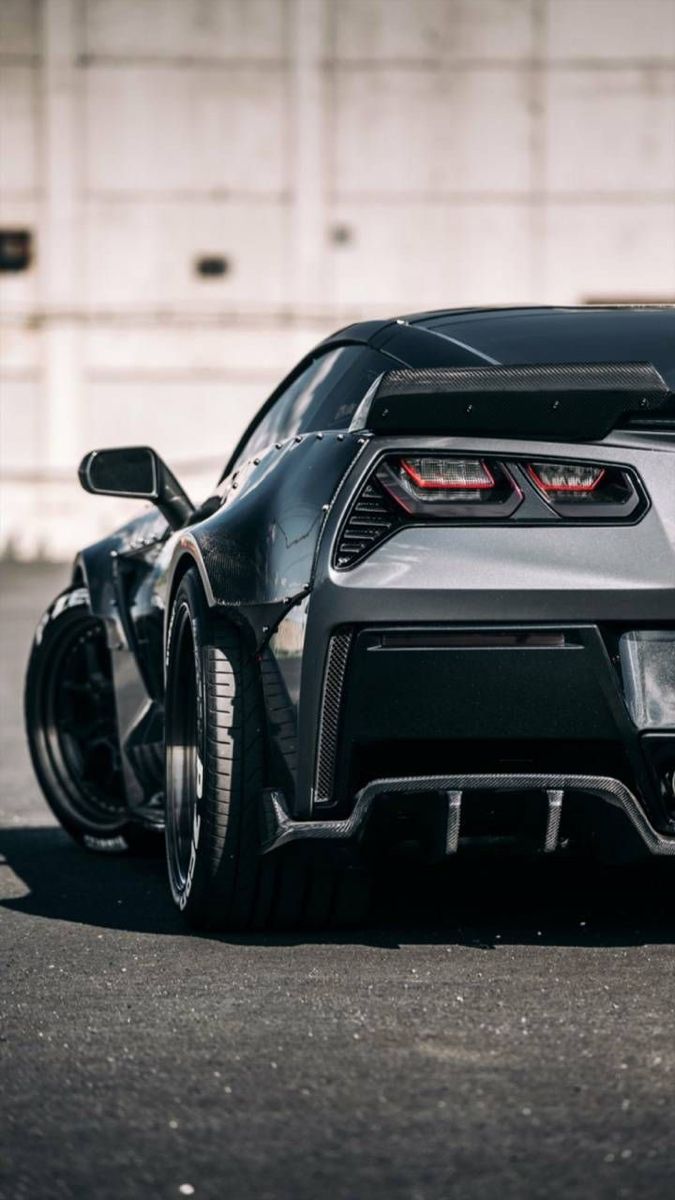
72	726
215	771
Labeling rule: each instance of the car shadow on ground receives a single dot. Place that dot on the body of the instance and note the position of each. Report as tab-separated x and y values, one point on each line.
478	902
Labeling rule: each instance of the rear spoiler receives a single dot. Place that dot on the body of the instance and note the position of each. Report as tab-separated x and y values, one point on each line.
570	401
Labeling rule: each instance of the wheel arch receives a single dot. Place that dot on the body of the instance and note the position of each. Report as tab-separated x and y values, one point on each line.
186	555
254	621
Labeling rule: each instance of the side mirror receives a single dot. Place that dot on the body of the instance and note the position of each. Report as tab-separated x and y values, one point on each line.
137	472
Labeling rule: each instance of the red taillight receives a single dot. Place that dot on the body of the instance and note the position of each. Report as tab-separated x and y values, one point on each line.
566	477
440	486
448	474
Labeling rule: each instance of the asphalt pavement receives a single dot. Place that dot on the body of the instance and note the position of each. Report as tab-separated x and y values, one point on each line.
494	1031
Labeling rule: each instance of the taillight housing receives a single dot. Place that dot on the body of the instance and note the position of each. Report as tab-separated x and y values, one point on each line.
585	490
444	486
426	487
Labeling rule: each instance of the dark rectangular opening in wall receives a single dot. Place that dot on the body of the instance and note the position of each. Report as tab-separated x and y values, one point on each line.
210	266
16	249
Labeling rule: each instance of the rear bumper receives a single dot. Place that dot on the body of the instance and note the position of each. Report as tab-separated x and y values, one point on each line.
384	692
280	828
502	703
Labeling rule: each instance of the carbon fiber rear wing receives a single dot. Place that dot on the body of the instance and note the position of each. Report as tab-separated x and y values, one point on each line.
570	401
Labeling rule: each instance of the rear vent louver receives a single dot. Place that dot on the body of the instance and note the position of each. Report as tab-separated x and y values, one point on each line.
370	521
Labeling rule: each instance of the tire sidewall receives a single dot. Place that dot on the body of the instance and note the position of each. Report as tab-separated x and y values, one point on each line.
189	605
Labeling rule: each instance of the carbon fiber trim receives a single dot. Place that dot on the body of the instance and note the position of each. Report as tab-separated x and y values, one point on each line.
281	828
629	379
329	720
555	802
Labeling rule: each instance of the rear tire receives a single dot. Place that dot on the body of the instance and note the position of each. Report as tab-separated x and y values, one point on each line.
72	726
215	761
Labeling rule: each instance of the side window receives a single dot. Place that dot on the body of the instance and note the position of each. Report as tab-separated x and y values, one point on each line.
323	396
277	424
283	419
336	396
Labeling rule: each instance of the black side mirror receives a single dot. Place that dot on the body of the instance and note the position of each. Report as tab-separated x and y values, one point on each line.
137	472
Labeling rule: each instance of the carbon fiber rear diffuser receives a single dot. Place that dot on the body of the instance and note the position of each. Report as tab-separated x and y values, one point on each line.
280	828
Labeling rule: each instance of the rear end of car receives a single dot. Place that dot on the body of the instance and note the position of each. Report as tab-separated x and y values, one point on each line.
489	656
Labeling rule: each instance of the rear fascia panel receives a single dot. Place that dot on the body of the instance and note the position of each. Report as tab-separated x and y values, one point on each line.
555	575
528	695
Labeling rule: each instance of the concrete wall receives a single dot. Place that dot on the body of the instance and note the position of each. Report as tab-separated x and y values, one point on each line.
347	157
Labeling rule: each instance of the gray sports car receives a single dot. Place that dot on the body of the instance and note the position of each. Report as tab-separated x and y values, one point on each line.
431	601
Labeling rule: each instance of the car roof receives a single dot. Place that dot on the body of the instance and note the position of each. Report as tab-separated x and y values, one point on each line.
525	334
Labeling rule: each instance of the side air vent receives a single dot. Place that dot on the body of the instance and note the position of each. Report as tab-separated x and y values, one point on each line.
371	519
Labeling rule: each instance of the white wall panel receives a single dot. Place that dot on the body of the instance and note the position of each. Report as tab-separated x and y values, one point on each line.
20	27
18	128
138	129
20	350
489	29
383	139
383	30
139	255
484	129
420	131
610	130
610	29
20	440
155	413
240	130
260	353
425	255
226	29
165	128
53	518
597	252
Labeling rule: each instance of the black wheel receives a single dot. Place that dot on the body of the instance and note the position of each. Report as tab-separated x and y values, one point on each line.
215	770
72	728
